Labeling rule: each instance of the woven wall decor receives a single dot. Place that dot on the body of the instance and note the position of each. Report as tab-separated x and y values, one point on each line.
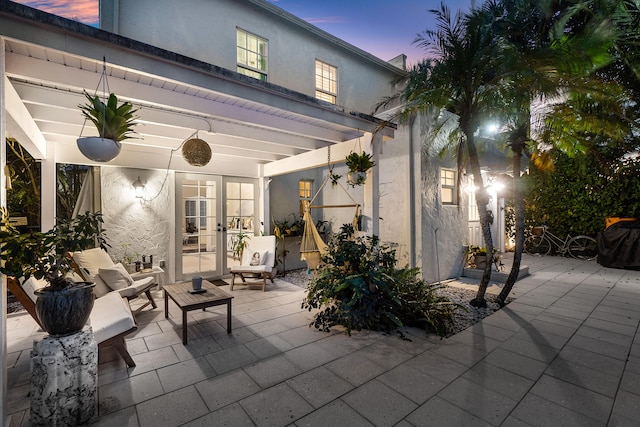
196	152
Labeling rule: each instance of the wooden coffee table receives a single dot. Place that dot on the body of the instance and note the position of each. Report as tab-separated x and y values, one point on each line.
187	301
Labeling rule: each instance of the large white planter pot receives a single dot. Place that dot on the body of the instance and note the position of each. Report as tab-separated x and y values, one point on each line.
99	149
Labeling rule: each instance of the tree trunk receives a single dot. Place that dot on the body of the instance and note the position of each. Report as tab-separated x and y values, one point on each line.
482	199
518	202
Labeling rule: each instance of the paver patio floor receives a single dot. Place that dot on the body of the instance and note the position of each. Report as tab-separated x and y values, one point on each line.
565	352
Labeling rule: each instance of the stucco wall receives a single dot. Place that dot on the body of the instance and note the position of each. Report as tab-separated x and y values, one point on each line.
206	30
148	227
444	227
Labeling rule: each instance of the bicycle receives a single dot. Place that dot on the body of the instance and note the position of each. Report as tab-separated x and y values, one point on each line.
579	247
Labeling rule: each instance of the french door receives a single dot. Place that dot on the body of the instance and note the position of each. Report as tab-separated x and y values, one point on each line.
211	211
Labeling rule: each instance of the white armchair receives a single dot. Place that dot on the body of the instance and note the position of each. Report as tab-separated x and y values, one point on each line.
258	261
95	265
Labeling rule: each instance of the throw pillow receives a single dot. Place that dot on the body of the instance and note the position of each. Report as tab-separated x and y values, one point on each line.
116	277
258	258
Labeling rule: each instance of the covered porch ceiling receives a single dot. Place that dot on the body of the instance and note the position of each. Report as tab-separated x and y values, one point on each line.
49	61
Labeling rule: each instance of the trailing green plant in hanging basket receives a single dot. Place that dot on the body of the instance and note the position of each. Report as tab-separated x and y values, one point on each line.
114	122
358	164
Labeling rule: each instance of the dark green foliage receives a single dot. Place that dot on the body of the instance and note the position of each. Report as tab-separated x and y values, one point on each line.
359	287
112	121
581	192
44	255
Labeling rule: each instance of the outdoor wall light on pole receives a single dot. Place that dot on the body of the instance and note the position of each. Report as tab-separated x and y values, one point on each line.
138	186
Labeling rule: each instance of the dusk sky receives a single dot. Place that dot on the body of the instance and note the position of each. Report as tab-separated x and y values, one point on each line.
380	27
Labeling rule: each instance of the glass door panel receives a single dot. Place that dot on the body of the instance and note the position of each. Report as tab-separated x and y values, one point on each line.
198	210
240	196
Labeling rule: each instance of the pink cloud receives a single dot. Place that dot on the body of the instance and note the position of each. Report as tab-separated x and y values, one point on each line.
80	10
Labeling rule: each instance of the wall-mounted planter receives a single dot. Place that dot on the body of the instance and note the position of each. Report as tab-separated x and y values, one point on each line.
99	149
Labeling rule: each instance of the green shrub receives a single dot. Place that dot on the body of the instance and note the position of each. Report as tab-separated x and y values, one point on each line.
359	287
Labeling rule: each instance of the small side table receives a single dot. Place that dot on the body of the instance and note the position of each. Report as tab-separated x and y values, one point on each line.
187	301
156	272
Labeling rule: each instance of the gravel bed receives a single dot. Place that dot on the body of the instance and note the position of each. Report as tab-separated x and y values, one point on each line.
464	317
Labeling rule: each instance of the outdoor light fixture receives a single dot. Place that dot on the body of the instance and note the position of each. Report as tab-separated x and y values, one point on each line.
138	186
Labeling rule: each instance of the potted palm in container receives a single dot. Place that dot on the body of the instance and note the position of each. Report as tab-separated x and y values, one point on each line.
358	164
114	123
63	306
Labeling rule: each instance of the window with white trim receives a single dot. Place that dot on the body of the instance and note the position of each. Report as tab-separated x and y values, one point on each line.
326	82
448	186
252	55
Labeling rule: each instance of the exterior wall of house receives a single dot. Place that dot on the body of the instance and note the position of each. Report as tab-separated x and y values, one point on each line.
149	226
206	30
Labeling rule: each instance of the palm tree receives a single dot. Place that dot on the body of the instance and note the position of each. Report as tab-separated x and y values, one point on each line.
457	78
542	60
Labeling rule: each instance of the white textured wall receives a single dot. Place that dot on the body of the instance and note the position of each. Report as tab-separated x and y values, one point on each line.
148	226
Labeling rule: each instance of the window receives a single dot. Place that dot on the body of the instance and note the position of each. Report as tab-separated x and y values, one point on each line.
304	191
305	188
326	82
448	186
252	55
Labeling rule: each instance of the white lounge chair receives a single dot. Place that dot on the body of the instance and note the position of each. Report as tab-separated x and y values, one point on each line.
258	261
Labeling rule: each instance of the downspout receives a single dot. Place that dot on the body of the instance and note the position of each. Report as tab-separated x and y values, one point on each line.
412	200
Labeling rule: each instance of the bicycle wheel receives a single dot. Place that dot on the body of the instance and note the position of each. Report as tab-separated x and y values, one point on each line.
583	247
537	245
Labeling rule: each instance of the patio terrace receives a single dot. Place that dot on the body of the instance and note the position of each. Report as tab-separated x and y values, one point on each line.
565	352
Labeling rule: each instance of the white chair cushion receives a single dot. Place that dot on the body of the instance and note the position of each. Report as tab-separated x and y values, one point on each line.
110	316
254	258
251	269
116	277
91	261
137	287
265	246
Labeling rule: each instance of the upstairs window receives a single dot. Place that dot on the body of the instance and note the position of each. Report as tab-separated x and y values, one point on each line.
252	55
448	186
326	82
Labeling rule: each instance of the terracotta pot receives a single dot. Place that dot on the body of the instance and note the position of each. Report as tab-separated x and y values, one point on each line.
65	312
99	149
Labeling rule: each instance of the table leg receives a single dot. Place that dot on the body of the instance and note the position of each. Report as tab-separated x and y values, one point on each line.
229	316
166	305
184	327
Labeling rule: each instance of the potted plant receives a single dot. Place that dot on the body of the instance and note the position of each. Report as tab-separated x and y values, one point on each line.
479	256
63	306
358	164
239	243
114	123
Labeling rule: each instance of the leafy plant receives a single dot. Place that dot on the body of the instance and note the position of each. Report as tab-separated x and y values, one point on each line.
44	255
239	243
359	287
359	162
113	121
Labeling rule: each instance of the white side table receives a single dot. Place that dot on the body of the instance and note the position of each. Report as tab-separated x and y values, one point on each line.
156	272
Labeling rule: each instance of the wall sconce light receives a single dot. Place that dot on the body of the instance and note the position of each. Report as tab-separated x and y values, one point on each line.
138	186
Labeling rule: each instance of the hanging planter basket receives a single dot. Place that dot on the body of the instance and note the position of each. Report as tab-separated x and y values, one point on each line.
99	149
113	120
356	178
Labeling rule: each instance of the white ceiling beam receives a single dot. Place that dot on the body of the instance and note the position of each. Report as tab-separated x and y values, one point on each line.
20	124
